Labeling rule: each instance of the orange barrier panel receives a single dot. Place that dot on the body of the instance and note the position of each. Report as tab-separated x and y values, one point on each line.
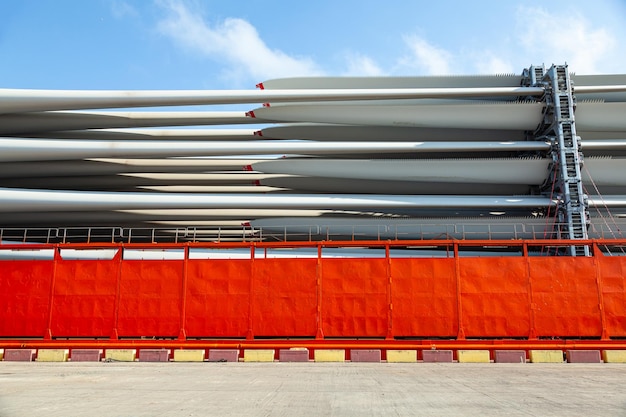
424	301
494	297
284	299
565	297
149	298
456	297
354	297
83	303
613	283
25	297
218	298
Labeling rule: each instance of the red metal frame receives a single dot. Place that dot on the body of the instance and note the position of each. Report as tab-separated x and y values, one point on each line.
504	302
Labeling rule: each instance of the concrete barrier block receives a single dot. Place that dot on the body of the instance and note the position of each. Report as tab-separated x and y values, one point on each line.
510	356
258	355
473	356
365	355
293	355
401	356
53	355
120	355
86	355
223	355
329	355
583	356
546	356
437	355
154	355
614	356
189	355
19	355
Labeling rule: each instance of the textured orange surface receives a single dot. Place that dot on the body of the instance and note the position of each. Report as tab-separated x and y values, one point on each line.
218	298
494	297
150	298
424	297
565	296
84	298
284	298
468	297
354	297
613	278
24	297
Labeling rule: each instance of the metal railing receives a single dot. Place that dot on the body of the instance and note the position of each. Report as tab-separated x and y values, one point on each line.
300	232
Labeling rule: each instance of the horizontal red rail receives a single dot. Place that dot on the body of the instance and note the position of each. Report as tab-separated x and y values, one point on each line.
329	244
316	344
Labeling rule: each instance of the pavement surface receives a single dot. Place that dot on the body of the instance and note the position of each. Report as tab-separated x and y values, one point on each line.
310	389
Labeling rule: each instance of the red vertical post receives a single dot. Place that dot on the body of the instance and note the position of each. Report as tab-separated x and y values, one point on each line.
389	299
182	335
119	256
318	283
459	305
597	253
56	258
250	333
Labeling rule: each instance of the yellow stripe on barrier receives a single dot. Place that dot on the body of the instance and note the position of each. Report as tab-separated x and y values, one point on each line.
121	355
329	355
473	356
258	355
401	356
53	355
546	356
614	356
189	355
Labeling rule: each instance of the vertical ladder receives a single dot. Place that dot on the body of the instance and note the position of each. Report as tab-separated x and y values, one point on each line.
559	127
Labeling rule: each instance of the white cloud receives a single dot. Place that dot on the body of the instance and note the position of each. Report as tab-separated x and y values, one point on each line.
565	37
425	58
541	37
122	9
492	64
233	41
361	65
536	37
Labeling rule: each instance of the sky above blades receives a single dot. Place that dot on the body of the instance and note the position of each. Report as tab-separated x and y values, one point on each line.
195	44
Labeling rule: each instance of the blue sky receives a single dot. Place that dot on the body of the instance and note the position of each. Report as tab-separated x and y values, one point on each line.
219	44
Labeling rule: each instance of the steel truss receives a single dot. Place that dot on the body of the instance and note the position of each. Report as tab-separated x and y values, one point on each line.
558	127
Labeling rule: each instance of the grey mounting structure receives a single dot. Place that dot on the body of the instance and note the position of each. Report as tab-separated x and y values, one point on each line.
559	128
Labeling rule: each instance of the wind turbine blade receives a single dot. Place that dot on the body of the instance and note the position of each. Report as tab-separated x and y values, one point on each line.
28	123
17	101
14	149
23	200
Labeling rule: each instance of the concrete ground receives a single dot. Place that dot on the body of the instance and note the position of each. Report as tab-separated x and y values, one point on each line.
310	389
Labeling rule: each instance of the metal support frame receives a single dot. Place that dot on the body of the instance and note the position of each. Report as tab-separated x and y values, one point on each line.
559	128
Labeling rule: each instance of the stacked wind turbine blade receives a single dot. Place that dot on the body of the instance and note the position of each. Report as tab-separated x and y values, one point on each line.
44	122
329	153
20	101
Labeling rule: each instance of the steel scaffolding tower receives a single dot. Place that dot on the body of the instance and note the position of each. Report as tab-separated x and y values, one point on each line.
559	128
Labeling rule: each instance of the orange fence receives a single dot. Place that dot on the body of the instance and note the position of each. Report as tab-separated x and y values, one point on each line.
256	297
